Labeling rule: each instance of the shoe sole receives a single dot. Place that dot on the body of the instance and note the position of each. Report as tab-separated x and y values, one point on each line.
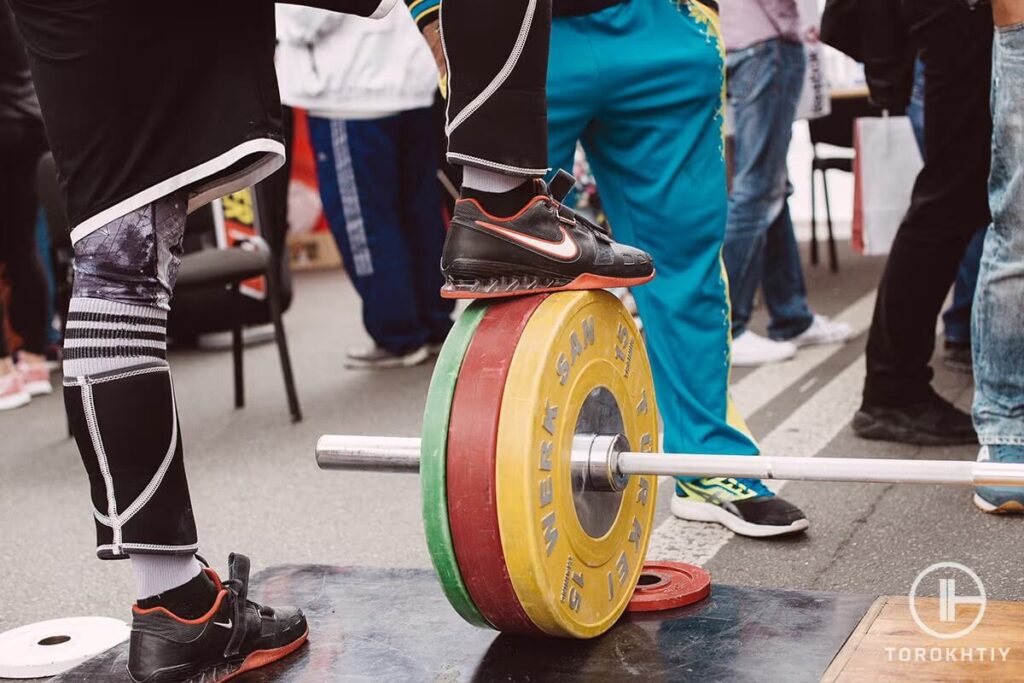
822	341
586	281
260	658
758	363
867	427
708	512
15	401
403	362
1010	507
39	388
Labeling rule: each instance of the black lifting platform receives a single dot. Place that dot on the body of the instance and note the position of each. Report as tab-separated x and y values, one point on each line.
395	625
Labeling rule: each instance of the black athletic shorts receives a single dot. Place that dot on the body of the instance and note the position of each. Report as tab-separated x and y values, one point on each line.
144	97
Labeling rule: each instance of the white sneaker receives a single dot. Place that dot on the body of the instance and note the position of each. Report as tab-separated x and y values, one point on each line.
35	377
376	357
823	331
750	350
12	391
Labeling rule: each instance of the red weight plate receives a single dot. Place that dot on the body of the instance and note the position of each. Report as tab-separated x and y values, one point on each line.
472	445
667	585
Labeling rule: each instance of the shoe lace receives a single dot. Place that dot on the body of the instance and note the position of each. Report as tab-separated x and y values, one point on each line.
755	486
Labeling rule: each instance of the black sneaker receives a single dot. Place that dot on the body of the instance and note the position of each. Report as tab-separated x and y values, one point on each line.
745	506
545	247
931	422
235	636
958	357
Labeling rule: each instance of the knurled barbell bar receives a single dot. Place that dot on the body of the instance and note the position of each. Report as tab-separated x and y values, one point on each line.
537	509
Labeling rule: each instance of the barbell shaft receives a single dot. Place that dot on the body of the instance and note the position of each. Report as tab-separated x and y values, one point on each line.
383	454
401	454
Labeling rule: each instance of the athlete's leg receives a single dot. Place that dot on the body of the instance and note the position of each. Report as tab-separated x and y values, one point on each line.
150	111
509	237
656	152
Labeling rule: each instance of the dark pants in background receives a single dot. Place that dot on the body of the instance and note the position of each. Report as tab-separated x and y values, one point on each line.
379	188
949	202
22	143
956	321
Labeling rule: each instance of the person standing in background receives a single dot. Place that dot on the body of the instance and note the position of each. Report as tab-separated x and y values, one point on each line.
998	314
651	127
948	206
375	141
22	143
765	74
956	321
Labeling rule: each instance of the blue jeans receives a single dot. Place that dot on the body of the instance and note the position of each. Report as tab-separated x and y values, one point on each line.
764	83
640	86
378	185
999	302
956	321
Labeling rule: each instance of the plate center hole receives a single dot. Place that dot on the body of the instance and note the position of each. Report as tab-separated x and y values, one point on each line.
649	580
54	640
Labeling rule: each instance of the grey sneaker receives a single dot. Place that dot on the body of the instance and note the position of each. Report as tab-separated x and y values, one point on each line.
376	357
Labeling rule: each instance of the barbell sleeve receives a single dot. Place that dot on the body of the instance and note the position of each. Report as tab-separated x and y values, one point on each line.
402	454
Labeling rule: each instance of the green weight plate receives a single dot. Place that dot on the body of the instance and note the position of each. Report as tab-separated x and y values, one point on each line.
434	449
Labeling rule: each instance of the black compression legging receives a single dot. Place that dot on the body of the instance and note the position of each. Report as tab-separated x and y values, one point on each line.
21	145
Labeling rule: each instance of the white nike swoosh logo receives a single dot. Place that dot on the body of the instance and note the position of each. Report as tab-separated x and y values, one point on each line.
565	249
227	625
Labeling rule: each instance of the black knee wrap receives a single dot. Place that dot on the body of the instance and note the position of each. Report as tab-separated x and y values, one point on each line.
126	426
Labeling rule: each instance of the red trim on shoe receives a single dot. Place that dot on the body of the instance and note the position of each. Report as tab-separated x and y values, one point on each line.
260	658
198	620
581	282
536	198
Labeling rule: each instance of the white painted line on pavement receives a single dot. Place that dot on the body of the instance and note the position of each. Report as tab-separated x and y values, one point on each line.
803	434
757	389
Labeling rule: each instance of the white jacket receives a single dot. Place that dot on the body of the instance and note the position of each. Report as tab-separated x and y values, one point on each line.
342	66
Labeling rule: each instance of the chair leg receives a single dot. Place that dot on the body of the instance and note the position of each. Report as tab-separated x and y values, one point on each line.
236	344
814	220
833	259
274	300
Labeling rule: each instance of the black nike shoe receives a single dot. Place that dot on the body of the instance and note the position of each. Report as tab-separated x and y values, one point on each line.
545	247
931	422
235	636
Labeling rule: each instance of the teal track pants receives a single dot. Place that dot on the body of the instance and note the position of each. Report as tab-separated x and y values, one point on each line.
641	86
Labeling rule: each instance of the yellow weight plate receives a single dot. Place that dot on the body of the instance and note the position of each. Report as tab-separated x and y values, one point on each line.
574	556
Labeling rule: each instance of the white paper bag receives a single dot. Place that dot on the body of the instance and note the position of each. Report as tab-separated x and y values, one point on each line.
815	100
885	167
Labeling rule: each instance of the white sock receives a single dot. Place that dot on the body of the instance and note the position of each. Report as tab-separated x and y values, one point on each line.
489	181
155	574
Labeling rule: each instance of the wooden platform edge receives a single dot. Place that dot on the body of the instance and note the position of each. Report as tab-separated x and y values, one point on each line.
846	653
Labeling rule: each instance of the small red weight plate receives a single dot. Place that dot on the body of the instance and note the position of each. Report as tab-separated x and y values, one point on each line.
667	585
470	475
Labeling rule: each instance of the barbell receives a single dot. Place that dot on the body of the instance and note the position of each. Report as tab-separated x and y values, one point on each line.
539	462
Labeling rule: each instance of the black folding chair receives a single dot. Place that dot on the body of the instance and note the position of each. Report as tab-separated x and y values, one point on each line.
836	129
